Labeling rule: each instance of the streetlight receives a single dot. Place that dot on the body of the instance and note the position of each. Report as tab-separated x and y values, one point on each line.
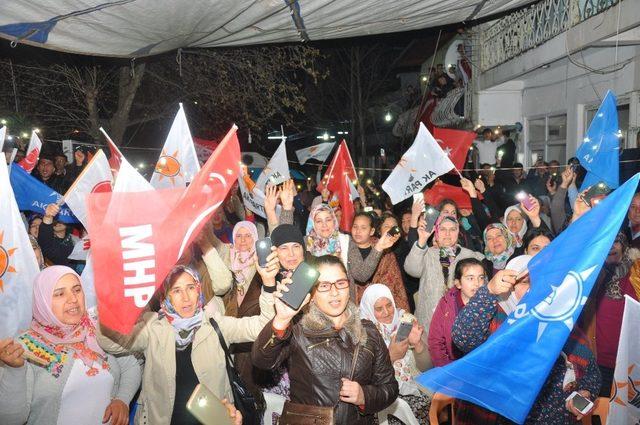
388	117
3	121
142	165
325	136
37	130
24	135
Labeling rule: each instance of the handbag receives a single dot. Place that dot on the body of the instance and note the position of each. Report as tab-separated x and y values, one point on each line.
305	414
243	400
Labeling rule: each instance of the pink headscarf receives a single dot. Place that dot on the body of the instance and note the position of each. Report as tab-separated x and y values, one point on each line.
241	261
81	337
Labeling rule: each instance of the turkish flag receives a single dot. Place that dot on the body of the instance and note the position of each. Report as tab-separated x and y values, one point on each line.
456	143
115	156
30	161
440	191
135	244
335	179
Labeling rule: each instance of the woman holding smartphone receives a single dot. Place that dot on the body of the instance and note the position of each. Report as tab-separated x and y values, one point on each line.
432	264
74	381
339	365
406	341
182	349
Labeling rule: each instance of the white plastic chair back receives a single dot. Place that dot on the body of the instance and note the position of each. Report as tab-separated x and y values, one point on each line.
401	410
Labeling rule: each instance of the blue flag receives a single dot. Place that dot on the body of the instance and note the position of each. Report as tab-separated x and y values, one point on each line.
33	195
505	374
599	152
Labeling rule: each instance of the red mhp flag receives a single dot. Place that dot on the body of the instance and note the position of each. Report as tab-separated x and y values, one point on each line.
334	179
440	191
33	152
456	143
137	243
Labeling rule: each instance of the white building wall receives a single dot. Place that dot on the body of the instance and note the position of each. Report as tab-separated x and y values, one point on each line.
566	87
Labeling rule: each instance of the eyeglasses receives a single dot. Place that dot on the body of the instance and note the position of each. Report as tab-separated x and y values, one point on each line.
326	286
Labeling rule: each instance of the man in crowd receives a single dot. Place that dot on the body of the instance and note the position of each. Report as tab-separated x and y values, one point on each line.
486	148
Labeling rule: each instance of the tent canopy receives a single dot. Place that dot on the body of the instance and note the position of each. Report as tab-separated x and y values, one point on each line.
136	28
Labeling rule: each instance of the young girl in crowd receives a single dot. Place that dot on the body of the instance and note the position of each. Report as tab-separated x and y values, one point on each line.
469	276
409	356
74	381
337	361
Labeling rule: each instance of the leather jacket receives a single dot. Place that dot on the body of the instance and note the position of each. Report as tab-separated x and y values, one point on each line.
320	356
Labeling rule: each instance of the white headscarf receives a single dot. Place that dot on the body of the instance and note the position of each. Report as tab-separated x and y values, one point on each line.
517	237
372	294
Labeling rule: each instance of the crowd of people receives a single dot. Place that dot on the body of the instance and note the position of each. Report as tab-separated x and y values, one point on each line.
344	353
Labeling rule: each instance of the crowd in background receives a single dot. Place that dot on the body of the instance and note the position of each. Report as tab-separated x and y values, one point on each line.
454	281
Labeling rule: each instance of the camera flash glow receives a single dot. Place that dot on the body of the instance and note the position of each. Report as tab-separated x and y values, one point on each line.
202	402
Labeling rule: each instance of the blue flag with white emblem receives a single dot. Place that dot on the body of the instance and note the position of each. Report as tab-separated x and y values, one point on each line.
599	152
505	374
33	195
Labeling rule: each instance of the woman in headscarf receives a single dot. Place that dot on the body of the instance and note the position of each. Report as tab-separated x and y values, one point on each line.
431	264
68	378
323	234
602	315
182	349
410	356
518	219
498	246
324	238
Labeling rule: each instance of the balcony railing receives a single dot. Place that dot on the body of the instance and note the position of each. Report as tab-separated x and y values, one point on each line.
528	28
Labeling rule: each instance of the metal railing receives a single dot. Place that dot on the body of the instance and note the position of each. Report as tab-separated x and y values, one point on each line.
525	29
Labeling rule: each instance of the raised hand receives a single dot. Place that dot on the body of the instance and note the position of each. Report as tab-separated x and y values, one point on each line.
270	270
11	353
386	241
502	282
284	313
287	194
271	194
468	186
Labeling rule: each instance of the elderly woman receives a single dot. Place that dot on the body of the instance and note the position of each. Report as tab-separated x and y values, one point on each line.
70	380
498	246
410	356
337	361
517	217
431	264
182	349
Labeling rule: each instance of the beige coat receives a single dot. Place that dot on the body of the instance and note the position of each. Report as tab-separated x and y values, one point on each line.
155	338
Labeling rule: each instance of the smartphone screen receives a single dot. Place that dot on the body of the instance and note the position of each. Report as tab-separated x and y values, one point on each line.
263	249
526	201
403	331
302	281
580	403
596	193
431	215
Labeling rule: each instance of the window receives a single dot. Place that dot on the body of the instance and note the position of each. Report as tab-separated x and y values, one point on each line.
548	138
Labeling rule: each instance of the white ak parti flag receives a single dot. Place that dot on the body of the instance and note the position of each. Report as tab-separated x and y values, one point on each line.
178	161
319	152
254	199
18	265
422	163
96	177
624	407
277	170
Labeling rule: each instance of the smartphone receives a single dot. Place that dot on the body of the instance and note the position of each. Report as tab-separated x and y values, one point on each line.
302	281
581	403
263	249
403	331
417	197
596	193
394	231
430	215
207	408
525	199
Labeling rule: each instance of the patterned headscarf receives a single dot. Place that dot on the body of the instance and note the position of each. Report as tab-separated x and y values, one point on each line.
500	260
318	245
185	327
612	288
45	325
517	237
242	261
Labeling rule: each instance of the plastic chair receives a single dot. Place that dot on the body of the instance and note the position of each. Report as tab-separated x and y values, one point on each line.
600	409
438	403
401	410
275	404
